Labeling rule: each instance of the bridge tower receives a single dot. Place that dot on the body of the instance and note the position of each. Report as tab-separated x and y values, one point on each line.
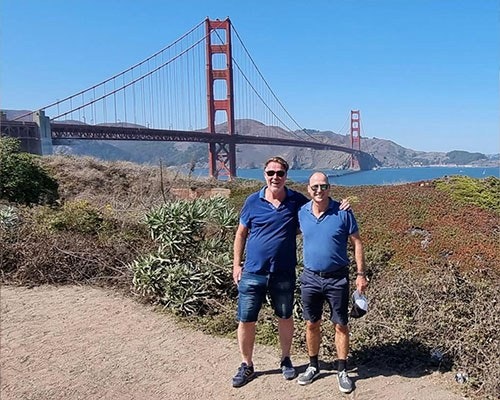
45	132
221	156
355	137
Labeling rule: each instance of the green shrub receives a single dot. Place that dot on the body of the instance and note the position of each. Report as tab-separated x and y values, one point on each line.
240	191
484	193
223	324
190	273
22	179
77	216
266	330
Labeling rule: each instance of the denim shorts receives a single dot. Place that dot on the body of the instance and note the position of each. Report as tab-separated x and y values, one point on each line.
315	290
253	288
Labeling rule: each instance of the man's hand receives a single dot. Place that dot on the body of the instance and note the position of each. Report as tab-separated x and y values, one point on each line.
237	274
238	249
345	205
361	283
348	202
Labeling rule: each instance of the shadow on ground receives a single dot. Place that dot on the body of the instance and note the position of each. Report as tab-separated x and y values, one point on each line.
407	358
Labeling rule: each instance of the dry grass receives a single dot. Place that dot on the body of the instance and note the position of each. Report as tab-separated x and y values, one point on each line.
122	185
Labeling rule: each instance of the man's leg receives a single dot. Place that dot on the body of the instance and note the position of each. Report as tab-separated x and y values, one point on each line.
342	341
282	290
313	337
312	303
338	300
285	333
342	346
313	341
251	289
246	341
337	295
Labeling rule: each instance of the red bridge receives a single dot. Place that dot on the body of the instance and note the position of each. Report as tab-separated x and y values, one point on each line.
184	93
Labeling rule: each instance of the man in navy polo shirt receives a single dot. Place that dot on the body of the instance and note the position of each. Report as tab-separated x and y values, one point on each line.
268	228
325	230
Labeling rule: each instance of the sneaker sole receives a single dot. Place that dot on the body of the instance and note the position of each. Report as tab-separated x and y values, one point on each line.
303	383
345	390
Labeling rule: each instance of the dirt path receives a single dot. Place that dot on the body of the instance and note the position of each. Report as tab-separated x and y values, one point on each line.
86	343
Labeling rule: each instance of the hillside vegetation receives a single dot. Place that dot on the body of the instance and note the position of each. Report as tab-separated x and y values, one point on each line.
432	253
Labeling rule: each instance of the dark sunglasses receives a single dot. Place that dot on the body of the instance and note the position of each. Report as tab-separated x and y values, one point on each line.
323	187
280	173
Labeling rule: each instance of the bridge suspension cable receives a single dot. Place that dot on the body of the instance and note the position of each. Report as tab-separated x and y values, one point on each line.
140	78
343	130
112	78
290	131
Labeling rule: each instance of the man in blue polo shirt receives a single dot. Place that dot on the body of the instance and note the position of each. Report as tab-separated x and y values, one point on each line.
325	230
268	229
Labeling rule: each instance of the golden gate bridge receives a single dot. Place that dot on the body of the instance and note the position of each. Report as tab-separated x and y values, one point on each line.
200	88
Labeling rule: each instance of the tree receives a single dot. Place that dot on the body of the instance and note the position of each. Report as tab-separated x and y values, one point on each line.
22	178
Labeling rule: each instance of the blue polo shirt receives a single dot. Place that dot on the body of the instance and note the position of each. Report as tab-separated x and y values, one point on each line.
325	238
271	243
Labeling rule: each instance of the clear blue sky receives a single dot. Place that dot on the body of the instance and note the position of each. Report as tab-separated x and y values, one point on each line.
423	73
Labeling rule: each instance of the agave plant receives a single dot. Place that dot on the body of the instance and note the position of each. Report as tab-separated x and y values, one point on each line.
192	263
8	217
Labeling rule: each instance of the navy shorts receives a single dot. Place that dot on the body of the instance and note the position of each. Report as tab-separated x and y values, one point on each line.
315	290
252	291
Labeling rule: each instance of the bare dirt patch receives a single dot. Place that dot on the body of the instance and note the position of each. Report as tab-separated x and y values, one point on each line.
80	342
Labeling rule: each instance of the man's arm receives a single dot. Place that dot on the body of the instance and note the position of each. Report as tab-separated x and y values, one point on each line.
359	256
238	247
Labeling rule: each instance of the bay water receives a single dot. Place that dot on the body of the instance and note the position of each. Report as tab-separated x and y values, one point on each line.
382	176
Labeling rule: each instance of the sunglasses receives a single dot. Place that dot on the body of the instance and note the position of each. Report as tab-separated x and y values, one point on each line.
280	173
323	187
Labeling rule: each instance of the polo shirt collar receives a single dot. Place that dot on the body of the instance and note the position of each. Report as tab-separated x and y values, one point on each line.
262	192
331	205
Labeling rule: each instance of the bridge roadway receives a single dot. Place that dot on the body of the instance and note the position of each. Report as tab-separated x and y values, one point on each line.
63	132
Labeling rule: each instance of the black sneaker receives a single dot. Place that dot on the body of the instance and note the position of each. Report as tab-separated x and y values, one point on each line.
309	376
345	383
287	369
244	375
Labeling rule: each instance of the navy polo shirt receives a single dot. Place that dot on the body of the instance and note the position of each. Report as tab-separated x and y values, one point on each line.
271	242
325	238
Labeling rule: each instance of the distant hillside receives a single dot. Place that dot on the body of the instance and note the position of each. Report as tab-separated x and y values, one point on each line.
388	153
13	114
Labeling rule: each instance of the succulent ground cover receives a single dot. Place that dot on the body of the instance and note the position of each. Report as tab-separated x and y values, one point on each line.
431	247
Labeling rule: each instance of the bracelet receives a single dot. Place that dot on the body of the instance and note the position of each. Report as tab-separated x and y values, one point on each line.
361	274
